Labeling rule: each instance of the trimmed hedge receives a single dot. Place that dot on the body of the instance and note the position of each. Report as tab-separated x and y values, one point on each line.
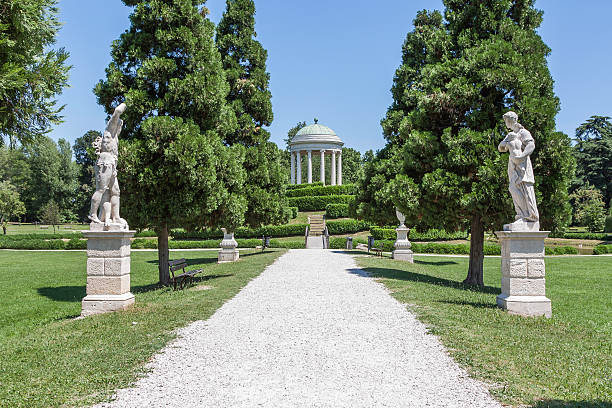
608	224
318	203
322	190
35	235
336	211
294	212
582	235
286	230
41	244
602	250
214	243
346	226
431	235
298	186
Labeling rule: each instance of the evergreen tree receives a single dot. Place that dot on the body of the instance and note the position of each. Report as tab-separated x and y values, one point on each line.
594	155
174	170
85	157
31	74
244	62
459	75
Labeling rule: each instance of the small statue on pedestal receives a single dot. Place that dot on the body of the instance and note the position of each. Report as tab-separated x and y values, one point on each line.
520	144
104	211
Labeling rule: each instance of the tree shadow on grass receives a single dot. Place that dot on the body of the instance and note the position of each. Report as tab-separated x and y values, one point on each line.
63	293
479	305
190	261
417	277
435	263
572	404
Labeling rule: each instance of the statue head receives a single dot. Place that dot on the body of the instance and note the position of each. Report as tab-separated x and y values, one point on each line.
109	143
511	119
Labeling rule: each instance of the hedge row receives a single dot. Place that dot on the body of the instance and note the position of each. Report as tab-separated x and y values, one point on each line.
298	186
37	235
74	243
431	235
346	226
318	203
294	212
322	190
602	250
336	211
582	235
214	243
286	230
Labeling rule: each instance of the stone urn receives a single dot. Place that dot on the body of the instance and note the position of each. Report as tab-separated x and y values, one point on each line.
402	246
229	251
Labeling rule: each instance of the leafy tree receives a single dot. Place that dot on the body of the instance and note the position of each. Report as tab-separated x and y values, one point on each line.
594	154
31	74
174	170
352	168
11	206
244	62
50	213
85	157
293	131
589	208
53	177
460	73
14	168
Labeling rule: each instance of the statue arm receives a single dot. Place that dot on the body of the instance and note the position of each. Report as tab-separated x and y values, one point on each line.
503	147
115	123
529	148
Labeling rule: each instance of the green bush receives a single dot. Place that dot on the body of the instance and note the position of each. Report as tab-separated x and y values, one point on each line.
310	191
561	250
608	226
318	203
346	226
76	243
431	235
294	212
286	230
602	250
299	186
336	211
582	235
35	235
293	244
146	233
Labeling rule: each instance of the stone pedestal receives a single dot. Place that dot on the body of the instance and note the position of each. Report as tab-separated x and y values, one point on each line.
402	246
523	273
108	271
228	252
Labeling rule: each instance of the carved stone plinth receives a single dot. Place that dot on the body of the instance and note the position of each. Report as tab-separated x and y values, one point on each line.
402	246
523	273
108	272
228	252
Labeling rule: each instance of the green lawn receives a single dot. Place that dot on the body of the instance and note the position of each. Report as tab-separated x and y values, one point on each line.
565	361
50	359
31	228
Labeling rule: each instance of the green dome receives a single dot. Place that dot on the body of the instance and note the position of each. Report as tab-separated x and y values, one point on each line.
316	133
315	129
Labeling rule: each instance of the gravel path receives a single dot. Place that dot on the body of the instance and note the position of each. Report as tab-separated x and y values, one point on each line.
311	331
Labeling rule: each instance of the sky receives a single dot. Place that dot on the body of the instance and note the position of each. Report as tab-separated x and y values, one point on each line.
335	60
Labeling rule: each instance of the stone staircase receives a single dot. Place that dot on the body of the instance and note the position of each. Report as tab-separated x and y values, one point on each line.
317	225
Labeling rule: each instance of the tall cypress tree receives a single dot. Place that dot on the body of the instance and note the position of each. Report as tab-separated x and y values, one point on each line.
459	75
244	62
174	169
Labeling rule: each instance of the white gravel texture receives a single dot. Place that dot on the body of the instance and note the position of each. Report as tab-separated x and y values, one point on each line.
312	330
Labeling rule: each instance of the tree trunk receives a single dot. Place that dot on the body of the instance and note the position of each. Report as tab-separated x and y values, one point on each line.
163	255
474	276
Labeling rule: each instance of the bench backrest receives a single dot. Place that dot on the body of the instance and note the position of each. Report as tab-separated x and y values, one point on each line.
177	264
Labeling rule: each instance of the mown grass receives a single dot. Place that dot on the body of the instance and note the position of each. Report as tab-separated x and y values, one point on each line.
565	361
13	229
50	359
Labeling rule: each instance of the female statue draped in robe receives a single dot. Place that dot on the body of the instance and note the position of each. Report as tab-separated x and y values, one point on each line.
520	144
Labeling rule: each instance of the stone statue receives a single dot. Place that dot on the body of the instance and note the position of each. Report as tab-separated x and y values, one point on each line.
400	217
104	209
520	144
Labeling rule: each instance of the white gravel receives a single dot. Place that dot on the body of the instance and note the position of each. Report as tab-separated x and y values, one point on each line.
311	331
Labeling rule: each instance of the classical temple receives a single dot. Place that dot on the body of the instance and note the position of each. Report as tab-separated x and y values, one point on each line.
315	140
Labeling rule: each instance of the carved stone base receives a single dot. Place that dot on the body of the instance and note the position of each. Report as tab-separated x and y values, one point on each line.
96	304
522	225
403	255
228	255
523	270
108	272
525	305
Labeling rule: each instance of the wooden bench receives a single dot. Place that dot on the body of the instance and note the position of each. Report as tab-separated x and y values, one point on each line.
379	250
181	278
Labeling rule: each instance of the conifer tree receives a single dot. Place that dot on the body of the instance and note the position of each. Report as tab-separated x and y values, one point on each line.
244	62
460	73
174	170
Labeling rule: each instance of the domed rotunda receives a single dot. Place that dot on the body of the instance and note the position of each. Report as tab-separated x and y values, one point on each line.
318	140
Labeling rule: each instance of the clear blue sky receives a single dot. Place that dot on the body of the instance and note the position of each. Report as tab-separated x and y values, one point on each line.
335	60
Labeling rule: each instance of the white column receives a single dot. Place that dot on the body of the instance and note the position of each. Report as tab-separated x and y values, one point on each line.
323	167
340	168
299	167
292	168
309	166
333	169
